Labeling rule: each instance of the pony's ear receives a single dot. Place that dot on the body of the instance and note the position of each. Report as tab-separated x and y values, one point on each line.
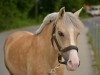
61	12
77	13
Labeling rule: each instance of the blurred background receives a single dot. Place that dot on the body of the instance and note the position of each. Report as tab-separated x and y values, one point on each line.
21	13
18	13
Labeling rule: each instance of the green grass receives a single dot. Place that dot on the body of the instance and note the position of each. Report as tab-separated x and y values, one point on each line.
97	58
20	23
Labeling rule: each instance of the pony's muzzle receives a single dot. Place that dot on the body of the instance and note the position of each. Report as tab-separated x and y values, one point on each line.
71	59
72	66
73	62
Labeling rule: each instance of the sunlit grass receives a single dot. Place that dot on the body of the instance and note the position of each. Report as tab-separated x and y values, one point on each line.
96	57
20	23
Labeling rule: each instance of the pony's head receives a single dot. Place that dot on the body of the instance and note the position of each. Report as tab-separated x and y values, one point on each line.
65	33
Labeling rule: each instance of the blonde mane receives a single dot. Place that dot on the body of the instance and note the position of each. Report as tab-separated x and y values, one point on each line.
70	19
49	18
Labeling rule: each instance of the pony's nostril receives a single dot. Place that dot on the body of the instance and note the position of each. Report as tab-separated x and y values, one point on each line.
70	62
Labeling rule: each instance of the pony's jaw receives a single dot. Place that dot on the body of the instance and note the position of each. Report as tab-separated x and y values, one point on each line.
73	62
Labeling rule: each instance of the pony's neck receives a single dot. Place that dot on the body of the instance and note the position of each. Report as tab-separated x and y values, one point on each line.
52	53
47	33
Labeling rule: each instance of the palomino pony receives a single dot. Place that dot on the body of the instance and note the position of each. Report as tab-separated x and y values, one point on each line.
46	51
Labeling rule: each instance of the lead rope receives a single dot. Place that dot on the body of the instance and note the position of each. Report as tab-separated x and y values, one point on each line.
54	69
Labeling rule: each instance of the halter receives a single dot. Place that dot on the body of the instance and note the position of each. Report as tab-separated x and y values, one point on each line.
59	47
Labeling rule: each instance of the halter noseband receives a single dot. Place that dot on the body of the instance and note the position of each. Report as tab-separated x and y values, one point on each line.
59	47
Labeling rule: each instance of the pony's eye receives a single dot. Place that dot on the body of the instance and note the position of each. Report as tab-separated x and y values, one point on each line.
60	33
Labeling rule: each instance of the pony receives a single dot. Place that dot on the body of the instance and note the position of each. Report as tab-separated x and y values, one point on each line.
48	50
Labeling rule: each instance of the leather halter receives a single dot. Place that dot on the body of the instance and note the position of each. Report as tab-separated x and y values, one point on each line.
59	47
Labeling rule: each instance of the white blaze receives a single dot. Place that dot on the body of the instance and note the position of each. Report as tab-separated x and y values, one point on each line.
73	56
72	42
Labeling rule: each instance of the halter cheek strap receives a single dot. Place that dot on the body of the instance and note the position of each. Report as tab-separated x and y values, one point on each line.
71	47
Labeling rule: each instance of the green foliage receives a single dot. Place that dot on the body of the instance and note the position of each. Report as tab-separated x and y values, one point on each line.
70	5
84	14
92	2
11	11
